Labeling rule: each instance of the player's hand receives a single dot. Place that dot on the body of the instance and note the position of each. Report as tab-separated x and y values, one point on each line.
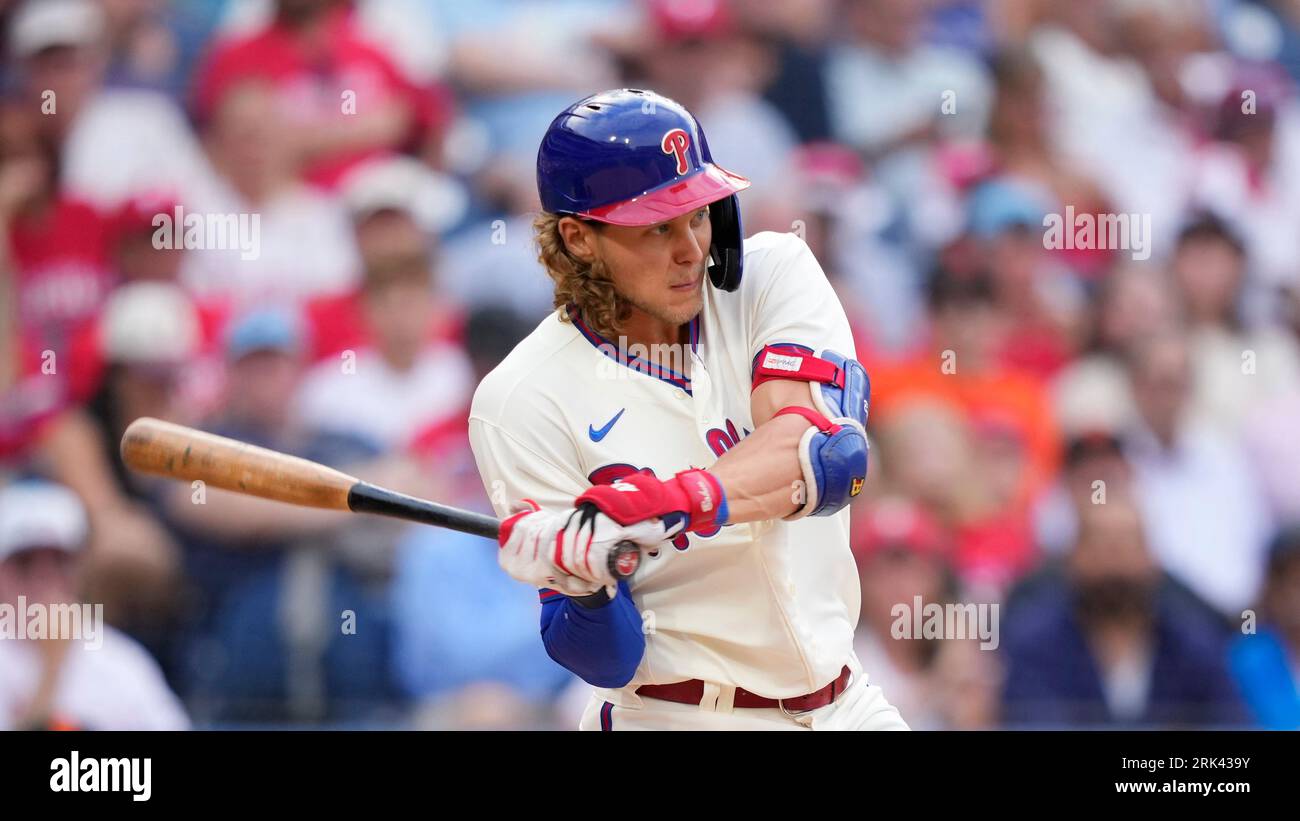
691	500
567	550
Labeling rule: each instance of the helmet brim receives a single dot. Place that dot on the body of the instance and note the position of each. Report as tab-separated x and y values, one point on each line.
708	185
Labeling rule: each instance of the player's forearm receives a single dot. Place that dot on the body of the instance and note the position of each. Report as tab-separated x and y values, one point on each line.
602	645
761	476
759	479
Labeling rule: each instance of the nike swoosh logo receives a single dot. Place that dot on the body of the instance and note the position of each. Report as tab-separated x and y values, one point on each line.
597	435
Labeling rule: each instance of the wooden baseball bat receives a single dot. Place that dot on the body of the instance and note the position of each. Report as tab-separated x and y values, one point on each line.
177	452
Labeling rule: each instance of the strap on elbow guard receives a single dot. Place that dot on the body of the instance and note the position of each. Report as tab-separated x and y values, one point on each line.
839	385
833	452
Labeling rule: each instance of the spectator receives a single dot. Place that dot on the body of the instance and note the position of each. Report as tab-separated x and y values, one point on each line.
136	257
493	260
849	223
53	280
699	56
56	247
1115	130
344	99
142	46
460	626
930	453
297	244
1030	176
1248	176
1265	32
1093	391
1266	433
556	57
799	32
1235	367
1105	647
1040	298
490	334
288	570
1094	467
147	336
1264	662
115	142
436	202
98	680
406	30
903	553
1207	522
961	366
886	85
389	391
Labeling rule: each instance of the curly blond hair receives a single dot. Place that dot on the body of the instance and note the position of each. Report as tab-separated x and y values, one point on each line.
586	285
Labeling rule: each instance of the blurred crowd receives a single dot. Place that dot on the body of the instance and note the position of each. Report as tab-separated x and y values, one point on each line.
1103	444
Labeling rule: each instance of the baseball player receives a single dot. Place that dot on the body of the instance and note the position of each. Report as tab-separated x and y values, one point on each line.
701	400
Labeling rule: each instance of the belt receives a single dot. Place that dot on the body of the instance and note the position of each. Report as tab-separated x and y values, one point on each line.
690	692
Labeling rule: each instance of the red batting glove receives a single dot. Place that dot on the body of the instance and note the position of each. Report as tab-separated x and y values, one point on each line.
694	496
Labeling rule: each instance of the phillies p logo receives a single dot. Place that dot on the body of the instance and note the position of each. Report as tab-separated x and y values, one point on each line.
677	142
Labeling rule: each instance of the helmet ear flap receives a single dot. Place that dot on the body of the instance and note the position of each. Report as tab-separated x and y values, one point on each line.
726	251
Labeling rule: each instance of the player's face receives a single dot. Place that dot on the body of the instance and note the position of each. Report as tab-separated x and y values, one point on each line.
660	269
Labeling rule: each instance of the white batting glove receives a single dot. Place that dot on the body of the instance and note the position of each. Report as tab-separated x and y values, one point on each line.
567	550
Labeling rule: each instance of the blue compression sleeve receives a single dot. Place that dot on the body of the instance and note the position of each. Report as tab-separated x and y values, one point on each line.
602	645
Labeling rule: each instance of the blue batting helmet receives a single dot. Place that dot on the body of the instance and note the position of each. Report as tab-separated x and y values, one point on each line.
631	157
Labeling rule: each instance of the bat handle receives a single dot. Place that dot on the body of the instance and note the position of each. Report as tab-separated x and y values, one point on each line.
624	559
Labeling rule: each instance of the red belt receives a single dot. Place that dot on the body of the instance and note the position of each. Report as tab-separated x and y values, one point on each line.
690	692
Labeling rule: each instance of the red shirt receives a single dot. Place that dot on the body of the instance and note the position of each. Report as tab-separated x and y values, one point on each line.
997	549
29	404
337	323
1038	350
63	273
312	85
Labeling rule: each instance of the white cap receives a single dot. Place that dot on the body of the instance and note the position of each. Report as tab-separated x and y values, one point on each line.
40	514
40	24
148	323
435	201
1096	397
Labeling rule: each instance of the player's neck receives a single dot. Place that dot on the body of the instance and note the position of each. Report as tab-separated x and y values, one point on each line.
643	329
665	342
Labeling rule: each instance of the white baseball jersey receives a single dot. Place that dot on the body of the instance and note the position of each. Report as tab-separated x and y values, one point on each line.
768	606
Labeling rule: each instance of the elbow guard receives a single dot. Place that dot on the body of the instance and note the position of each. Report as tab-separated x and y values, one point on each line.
833	451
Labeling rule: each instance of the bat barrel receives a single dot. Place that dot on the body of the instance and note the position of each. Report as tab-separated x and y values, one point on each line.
177	452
